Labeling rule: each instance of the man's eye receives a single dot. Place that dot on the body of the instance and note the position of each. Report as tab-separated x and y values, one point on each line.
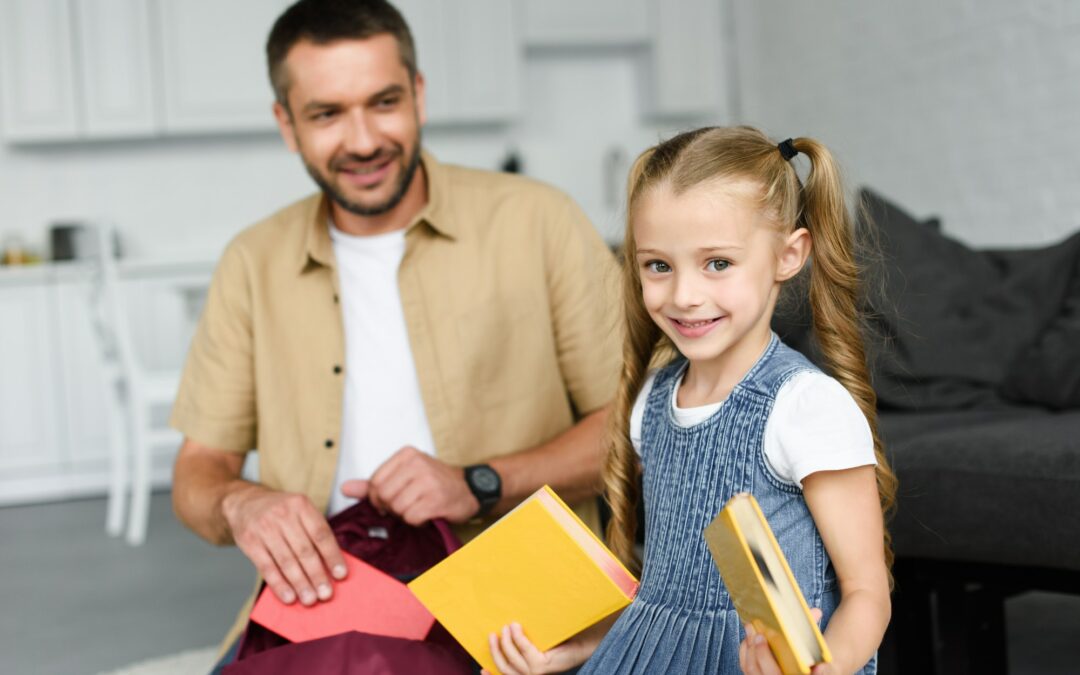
388	102
658	266
717	265
323	115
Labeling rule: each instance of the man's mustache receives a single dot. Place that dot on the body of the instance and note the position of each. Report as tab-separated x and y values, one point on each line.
351	158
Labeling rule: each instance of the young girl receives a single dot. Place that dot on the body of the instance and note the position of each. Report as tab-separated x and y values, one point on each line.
717	221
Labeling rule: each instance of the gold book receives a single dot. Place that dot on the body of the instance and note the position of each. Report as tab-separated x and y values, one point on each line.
762	586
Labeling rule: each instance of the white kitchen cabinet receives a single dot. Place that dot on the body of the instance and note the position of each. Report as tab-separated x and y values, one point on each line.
681	44
574	23
82	395
687	74
213	59
76	69
30	428
116	68
37	75
470	55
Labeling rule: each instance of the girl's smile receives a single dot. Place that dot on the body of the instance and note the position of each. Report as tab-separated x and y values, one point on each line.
694	328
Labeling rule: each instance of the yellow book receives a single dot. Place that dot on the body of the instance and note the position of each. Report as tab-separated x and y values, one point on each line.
762	586
538	565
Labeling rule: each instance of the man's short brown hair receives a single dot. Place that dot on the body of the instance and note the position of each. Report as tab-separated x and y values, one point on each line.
326	21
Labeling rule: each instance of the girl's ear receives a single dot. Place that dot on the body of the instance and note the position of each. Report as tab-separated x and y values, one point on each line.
793	254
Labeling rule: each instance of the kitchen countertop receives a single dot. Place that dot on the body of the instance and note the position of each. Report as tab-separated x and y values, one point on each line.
73	270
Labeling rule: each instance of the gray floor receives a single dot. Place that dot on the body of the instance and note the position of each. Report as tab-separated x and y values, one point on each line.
76	601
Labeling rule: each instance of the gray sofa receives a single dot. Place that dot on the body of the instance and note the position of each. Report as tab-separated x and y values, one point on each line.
976	361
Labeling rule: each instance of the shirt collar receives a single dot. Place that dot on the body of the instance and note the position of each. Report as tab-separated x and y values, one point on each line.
436	214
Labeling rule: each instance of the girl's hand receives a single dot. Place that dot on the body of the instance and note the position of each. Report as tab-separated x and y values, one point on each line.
755	657
515	655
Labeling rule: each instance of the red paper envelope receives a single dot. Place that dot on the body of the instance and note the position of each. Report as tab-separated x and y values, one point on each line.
367	600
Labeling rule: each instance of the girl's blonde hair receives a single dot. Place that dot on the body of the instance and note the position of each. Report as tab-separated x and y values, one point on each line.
744	153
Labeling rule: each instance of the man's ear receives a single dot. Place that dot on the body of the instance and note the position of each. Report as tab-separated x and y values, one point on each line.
793	254
285	126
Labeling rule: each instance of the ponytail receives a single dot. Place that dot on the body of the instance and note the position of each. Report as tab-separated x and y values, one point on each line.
622	470
834	300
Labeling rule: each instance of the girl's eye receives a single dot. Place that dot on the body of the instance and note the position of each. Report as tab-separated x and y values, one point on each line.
717	265
658	266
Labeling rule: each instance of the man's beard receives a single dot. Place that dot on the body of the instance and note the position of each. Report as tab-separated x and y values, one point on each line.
357	208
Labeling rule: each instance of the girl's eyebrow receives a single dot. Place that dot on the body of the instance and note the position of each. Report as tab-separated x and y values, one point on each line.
725	247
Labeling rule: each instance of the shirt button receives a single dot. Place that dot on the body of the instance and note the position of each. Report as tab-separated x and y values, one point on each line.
337	370
335	298
329	443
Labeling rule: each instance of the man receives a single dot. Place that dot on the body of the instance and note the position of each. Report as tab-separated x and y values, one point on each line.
418	334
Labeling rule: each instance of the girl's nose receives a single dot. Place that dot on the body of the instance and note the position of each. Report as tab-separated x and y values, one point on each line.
687	291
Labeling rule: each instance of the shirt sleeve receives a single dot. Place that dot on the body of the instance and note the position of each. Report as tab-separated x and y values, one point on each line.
637	413
215	404
815	425
583	286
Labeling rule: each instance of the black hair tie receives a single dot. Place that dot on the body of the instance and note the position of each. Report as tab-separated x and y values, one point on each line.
787	150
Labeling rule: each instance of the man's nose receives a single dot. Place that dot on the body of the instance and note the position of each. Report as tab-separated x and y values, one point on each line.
361	138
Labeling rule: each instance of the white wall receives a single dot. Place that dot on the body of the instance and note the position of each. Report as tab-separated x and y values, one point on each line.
184	198
960	108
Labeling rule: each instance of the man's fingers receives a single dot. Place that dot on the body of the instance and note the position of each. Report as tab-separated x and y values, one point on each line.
290	567
413	496
268	570
816	613
355	488
309	559
318	530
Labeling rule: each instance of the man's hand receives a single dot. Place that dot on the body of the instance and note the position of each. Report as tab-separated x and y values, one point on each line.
287	539
417	487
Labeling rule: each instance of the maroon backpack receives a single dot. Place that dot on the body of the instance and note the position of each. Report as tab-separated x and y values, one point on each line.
402	551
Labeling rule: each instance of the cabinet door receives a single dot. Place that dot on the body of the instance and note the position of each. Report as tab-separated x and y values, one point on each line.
37	81
214	64
31	427
470	56
83	387
115	67
557	23
427	22
688	73
484	60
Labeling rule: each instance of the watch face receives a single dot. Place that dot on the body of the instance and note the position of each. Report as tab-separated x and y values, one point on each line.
484	479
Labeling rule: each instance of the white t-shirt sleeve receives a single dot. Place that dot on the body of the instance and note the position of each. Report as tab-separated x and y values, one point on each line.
637	413
815	425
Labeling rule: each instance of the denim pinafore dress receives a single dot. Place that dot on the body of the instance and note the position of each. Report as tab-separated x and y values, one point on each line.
683	620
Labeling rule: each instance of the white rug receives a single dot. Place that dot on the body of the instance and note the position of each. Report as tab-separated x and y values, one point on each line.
190	662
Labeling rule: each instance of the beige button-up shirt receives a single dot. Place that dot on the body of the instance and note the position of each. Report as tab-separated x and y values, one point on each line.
510	300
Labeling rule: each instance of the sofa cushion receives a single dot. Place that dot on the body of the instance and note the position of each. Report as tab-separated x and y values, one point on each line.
1047	372
945	321
988	486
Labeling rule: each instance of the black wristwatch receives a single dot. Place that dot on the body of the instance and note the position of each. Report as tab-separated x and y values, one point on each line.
486	486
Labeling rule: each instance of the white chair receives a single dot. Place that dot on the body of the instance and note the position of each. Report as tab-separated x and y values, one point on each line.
132	392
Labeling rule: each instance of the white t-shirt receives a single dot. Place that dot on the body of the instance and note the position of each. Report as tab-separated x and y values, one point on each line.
382	408
815	425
